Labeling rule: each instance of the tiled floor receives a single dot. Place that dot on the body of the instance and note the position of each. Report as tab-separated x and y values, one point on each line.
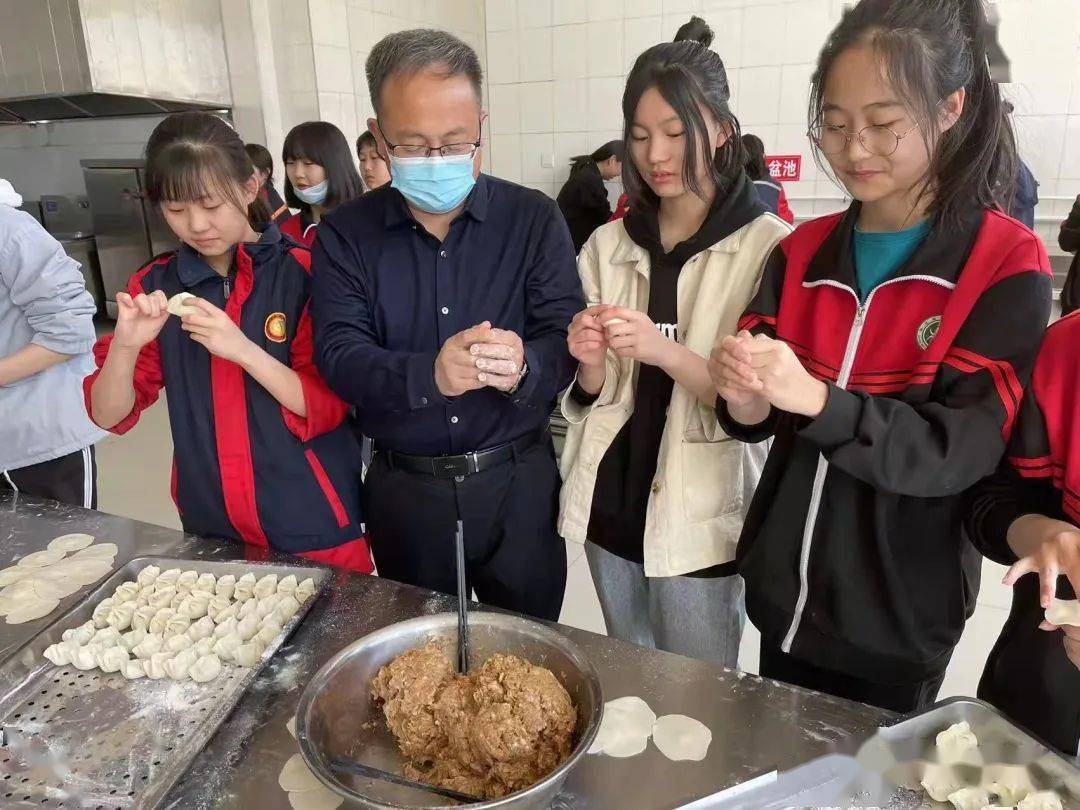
134	481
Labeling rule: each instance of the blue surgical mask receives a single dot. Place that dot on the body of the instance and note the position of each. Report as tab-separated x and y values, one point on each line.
313	195
433	184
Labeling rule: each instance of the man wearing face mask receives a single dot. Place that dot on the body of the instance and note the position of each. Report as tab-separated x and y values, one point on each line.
440	309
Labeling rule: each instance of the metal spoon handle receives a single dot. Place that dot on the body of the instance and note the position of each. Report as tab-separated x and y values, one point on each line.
463	601
376	773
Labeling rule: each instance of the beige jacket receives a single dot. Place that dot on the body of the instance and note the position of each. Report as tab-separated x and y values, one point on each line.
704	479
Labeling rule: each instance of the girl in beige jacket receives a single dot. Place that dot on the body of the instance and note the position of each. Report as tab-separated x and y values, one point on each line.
652	486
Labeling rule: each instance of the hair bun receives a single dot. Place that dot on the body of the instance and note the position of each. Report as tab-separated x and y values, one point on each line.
696	30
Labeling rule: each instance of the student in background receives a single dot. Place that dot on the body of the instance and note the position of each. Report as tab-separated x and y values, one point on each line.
651	485
262	451
770	191
1069	241
886	352
583	199
320	176
373	168
263	162
1025	194
46	333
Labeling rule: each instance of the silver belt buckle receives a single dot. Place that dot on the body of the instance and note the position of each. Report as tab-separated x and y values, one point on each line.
473	461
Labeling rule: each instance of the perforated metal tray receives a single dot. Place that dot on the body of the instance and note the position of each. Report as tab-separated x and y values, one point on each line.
96	740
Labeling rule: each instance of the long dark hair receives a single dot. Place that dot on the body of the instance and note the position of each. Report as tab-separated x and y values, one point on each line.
689	76
323	143
608	150
192	154
930	49
261	159
755	158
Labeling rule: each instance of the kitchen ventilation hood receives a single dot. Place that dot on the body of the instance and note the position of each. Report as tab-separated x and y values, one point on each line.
65	59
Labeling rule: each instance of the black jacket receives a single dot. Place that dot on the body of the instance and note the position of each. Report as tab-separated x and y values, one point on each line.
1069	240
584	203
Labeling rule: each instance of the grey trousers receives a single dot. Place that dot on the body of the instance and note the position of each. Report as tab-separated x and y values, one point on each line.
692	616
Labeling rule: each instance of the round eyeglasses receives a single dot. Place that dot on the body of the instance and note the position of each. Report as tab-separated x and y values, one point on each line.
875	139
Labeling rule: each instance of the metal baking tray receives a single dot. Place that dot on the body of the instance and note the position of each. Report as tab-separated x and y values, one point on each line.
91	739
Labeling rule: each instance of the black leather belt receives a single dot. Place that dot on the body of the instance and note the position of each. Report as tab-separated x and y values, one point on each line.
464	465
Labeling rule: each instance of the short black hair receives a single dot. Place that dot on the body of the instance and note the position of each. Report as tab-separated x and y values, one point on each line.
366	140
755	158
261	159
323	143
420	49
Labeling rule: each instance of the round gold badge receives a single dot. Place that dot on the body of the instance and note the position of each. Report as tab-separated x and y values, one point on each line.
275	327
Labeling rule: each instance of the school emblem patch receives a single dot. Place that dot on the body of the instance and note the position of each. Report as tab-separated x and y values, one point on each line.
274	328
928	330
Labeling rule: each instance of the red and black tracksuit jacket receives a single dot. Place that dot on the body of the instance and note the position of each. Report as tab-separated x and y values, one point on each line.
1028	675
853	548
300	227
245	468
279	211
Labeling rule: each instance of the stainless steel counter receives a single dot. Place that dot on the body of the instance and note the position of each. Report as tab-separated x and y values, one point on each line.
758	726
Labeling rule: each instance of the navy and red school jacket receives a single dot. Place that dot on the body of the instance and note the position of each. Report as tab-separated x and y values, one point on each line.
1028	675
279	211
300	228
853	548
244	467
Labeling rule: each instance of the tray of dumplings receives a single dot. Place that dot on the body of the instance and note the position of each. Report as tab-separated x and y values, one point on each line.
109	705
963	753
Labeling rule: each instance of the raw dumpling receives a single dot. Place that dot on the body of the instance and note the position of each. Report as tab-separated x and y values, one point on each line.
133	668
193	607
266	605
969	798
940	781
132	639
178	306
84	658
204	646
265	586
186	581
161	618
163	595
305	589
267	633
249	608
231	612
126	592
203	628
155	665
177	643
59	654
206	582
101	612
225	628
226	646
111	658
956	744
81	634
148	575
106	637
286	608
205	669
288	584
245	586
176	626
1043	800
1010	783
1063	611
120	616
140	619
148	647
225	586
168	576
216	605
144	596
179	599
248	627
178	666
248	655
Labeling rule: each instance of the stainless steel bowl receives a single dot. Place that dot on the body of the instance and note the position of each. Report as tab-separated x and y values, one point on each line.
336	717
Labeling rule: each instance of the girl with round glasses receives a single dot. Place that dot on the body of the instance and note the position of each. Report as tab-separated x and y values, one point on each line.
886	354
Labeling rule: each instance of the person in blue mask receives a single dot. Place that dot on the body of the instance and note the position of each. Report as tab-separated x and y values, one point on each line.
441	304
320	176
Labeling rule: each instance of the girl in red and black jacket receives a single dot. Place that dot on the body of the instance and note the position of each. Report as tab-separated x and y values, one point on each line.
263	162
1027	515
887	352
319	176
262	451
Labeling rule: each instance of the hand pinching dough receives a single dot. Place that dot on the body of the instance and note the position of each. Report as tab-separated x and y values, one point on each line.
681	738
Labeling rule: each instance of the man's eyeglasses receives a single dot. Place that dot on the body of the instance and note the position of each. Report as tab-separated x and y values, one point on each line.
409	150
875	139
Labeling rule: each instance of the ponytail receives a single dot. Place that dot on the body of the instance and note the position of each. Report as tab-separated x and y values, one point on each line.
607	151
192	154
930	49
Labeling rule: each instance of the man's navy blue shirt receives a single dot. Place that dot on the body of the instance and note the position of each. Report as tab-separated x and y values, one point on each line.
387	295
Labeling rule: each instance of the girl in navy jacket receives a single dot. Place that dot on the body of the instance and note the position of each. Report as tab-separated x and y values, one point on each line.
262	451
886	351
319	176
